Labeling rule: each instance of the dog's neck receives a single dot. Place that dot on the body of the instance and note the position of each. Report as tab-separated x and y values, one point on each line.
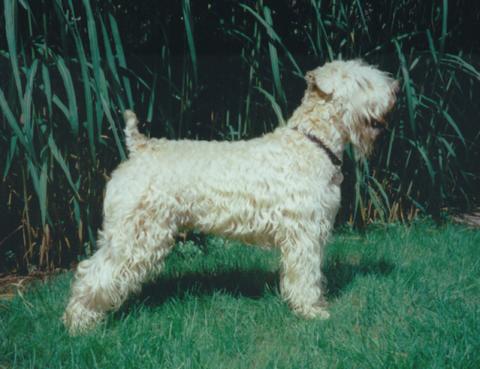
317	117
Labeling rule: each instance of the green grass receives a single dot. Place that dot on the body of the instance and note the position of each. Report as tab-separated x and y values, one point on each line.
400	297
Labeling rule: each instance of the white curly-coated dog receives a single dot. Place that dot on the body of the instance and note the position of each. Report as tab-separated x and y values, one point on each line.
281	190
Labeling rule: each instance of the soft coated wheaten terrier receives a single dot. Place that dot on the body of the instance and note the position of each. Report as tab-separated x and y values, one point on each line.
280	190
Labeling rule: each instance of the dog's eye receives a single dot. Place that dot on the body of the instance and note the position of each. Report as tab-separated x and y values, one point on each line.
376	124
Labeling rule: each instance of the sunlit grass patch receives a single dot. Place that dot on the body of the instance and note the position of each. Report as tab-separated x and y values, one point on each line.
400	297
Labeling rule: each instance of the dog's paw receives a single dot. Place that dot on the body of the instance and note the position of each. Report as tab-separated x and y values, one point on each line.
78	319
313	312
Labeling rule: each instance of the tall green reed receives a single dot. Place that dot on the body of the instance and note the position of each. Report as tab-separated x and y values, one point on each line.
61	99
52	116
427	132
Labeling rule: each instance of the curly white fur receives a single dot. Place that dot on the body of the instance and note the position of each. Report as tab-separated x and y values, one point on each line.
277	190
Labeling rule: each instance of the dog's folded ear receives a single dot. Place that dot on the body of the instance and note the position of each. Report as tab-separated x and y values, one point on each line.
317	80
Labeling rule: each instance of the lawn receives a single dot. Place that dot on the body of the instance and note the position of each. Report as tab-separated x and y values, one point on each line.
400	297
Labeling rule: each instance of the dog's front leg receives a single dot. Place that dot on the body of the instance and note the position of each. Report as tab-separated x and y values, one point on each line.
301	276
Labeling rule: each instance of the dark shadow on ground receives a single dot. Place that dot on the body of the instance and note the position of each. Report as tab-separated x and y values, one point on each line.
251	283
340	274
245	283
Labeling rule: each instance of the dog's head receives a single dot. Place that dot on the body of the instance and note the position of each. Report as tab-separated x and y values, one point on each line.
362	95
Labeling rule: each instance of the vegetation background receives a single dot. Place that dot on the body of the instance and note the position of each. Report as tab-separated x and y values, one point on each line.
221	70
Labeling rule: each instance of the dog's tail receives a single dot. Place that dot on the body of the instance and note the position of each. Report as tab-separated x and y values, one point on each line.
133	138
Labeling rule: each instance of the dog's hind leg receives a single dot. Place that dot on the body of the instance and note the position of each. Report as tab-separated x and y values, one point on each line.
130	253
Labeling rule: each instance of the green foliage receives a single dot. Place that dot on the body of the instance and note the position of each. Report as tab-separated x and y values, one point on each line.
399	297
52	123
68	75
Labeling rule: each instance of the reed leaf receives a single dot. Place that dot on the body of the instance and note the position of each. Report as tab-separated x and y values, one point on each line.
321	34
459	63
13	123
39	181
444	25
47	88
60	105
358	3
390	147
431	46
412	100
187	18
276	108
27	99
10	17
71	96
85	78
451	122
151	101
114	129
95	50
448	146
426	159
63	164
10	156
381	190
274	37
121	59
112	64
274	61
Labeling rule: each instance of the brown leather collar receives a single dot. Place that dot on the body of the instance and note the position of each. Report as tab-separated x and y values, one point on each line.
333	158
